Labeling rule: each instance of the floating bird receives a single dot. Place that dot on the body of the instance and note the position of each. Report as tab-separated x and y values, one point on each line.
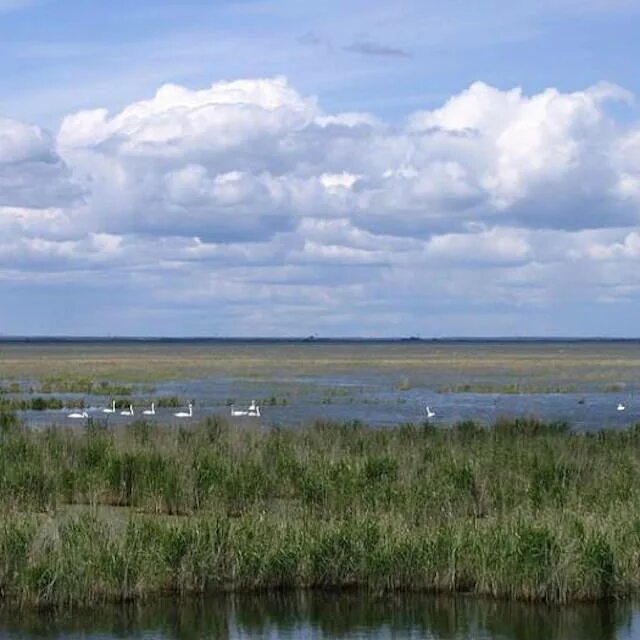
78	414
238	412
113	408
185	414
430	413
620	407
253	410
150	412
127	412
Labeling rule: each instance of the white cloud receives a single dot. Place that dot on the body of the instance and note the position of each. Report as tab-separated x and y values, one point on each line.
31	172
527	151
498	246
248	191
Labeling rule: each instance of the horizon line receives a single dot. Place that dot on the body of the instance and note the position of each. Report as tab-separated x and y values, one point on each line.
311	338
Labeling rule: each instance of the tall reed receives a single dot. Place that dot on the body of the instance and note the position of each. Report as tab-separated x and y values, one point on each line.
525	510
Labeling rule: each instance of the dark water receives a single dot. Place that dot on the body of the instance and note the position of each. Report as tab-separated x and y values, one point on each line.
319	616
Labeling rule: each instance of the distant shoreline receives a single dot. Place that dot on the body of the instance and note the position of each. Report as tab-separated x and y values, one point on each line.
309	340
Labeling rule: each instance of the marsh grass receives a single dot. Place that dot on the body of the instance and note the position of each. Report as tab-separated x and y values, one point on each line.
79	384
524	510
40	403
540	364
515	388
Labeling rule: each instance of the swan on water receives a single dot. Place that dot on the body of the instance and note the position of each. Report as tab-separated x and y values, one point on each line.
127	412
430	413
112	409
185	414
238	412
150	412
620	407
78	414
253	410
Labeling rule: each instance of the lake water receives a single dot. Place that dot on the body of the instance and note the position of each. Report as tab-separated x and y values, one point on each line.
368	398
377	383
320	616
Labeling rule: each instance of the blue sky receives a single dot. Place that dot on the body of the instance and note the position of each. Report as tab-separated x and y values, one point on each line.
341	168
59	56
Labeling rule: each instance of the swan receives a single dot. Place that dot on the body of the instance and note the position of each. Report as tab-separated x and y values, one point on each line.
78	414
253	410
185	414
620	407
430	413
127	412
113	408
150	412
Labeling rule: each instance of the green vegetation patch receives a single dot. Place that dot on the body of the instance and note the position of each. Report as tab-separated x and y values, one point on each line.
525	510
511	388
65	384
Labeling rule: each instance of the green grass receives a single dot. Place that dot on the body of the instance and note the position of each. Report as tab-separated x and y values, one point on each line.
39	403
514	388
76	384
525	510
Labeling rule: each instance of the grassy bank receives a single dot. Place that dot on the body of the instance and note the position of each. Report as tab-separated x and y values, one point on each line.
525	510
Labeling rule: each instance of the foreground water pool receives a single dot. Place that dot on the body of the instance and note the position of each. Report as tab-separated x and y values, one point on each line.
320	615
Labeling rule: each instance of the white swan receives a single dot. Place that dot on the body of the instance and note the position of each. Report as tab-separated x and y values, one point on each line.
78	414
253	410
150	412
113	408
185	414
430	413
127	412
620	407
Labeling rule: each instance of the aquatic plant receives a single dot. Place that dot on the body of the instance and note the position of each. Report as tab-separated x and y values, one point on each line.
525	509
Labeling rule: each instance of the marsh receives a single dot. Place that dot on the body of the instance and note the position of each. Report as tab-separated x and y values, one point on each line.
377	382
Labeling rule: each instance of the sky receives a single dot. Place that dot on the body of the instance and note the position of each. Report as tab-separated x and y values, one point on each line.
353	168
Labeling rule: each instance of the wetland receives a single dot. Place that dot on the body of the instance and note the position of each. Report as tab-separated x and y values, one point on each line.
342	511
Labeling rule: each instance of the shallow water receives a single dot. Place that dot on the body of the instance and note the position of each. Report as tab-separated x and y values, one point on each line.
318	616
370	400
378	384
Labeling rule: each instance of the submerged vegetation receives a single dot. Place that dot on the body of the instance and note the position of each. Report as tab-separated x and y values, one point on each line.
525	510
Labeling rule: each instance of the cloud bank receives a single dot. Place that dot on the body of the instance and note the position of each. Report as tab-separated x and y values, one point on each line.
245	208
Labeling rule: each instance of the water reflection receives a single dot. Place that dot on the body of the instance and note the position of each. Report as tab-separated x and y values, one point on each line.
316	616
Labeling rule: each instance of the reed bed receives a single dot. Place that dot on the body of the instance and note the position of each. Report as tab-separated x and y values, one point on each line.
524	510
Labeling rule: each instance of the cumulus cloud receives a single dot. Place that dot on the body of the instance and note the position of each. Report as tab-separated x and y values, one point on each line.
249	191
31	171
